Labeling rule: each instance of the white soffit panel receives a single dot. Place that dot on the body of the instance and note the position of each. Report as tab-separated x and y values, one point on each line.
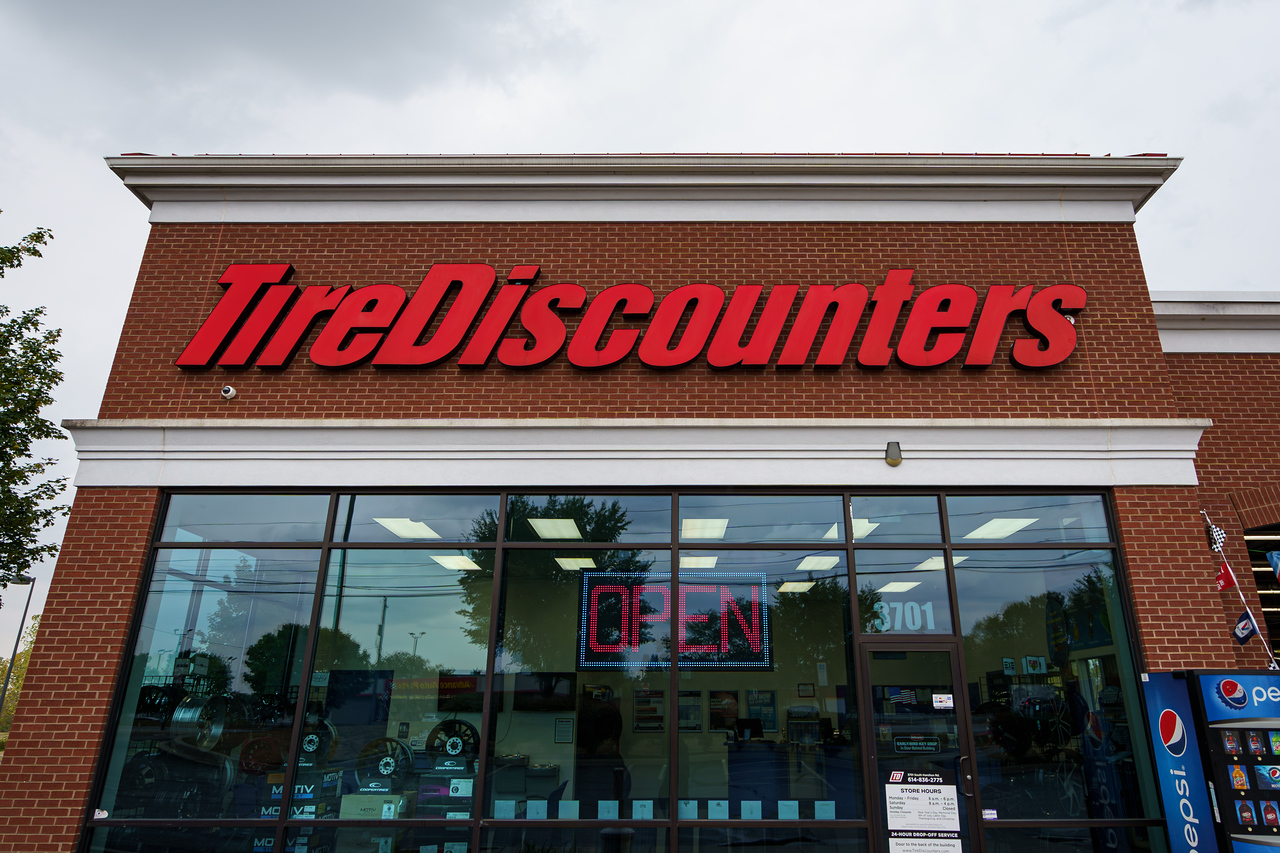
664	452
1225	322
643	188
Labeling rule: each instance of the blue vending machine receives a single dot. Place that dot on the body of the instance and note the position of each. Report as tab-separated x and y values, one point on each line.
1216	739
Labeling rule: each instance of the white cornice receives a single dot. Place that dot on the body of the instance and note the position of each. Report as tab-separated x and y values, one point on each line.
664	452
1231	322
630	188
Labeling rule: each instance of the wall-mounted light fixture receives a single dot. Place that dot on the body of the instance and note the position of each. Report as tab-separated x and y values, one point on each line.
893	454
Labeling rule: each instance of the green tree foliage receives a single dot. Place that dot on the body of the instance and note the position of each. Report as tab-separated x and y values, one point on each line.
28	375
29	246
274	661
19	673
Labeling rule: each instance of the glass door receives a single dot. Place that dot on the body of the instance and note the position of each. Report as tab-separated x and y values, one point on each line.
920	749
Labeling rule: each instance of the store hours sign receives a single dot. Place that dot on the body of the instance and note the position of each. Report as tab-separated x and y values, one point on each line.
716	620
922	813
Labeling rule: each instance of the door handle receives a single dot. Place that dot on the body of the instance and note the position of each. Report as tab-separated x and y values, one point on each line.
966	779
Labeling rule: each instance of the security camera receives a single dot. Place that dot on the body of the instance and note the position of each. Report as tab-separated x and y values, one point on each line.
228	393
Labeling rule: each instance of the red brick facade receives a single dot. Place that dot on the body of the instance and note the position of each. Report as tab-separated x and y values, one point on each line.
66	699
1116	370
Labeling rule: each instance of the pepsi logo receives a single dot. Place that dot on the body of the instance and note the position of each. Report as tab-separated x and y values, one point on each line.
1173	733
1274	773
1232	693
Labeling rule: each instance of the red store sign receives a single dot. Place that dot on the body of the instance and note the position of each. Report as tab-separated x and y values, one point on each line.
263	320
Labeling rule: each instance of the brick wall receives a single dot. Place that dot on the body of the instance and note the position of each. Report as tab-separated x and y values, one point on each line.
1238	461
1171	572
1116	370
49	763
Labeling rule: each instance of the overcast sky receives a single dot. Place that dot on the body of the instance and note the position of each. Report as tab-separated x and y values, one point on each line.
84	80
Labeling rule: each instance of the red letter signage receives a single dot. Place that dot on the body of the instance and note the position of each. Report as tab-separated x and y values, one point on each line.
262	320
720	620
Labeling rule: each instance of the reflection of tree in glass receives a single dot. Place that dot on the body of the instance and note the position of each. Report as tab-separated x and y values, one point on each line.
407	665
227	625
337	653
1063	620
542	587
868	617
803	624
604	523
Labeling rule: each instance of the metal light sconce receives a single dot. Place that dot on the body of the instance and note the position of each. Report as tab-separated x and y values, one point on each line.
893	454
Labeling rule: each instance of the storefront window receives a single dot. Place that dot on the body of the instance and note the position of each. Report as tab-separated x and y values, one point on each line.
1052	690
419	519
1033	518
712	519
769	730
1007	605
378	839
896	519
903	592
750	839
210	695
579	518
397	688
579	716
596	839
188	839
1080	840
245	518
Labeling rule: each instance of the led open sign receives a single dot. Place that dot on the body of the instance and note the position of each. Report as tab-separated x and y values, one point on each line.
719	620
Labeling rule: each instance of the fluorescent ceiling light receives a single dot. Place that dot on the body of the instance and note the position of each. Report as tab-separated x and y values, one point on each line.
457	562
899	586
703	528
407	528
935	564
817	564
575	564
698	562
833	533
1000	528
555	528
862	527
796	586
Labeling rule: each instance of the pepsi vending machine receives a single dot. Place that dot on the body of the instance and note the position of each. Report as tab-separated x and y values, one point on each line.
1217	746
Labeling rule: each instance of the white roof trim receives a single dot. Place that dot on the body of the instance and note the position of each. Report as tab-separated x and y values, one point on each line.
661	452
1231	322
642	188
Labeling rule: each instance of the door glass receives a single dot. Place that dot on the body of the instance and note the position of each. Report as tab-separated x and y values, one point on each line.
918	749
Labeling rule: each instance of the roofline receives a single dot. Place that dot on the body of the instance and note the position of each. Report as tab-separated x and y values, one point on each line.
643	187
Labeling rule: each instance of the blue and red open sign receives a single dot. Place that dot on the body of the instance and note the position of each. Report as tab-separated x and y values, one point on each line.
719	619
